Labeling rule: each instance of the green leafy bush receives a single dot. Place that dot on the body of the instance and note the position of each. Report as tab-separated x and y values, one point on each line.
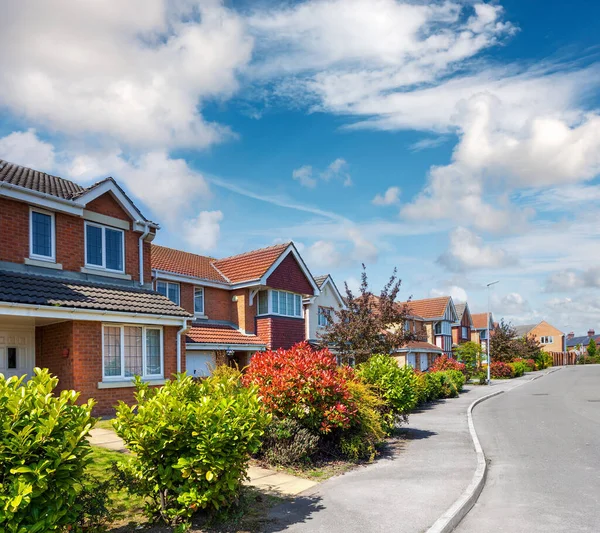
288	442
43	454
518	368
396	386
360	441
191	442
451	382
543	360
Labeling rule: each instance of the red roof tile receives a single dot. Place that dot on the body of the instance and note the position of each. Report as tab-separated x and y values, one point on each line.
480	320
220	334
250	265
420	345
429	307
198	266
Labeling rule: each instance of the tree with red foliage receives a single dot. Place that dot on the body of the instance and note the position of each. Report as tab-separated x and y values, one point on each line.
446	363
369	324
303	384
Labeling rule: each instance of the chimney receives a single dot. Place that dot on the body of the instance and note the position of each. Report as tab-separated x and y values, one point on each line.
570	335
591	333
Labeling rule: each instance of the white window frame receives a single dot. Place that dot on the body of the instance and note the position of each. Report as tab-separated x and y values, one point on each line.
547	339
103	228
144	375
270	304
196	312
51	258
464	332
326	314
167	283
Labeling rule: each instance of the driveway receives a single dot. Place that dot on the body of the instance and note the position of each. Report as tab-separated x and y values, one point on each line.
543	443
404	492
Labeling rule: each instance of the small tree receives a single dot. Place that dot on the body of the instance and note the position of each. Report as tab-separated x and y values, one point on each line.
369	324
504	343
469	353
592	350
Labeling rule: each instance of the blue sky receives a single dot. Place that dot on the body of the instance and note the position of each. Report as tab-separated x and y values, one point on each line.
458	141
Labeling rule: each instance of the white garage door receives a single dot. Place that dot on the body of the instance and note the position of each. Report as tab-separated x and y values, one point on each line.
423	365
17	356
199	364
411	360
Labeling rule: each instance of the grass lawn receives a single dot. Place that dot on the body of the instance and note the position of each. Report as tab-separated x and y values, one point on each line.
249	515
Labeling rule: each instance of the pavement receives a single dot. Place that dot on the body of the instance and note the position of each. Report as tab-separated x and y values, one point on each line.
406	490
542	442
270	481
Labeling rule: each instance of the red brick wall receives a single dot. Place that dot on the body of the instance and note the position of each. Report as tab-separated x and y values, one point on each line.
50	342
218	304
288	276
14	236
280	332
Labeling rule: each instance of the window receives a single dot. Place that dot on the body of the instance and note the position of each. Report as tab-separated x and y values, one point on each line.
41	235
464	332
546	340
199	301
443	328
279	303
438	328
324	316
406	326
483	334
170	290
11	358
104	247
130	351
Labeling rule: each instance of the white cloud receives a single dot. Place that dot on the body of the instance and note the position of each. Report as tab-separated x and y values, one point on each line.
430	142
137	74
389	197
513	307
569	280
323	255
304	175
202	232
458	294
467	251
25	148
576	313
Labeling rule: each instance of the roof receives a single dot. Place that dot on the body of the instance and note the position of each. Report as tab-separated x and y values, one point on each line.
460	310
524	330
584	340
220	334
420	345
25	288
480	320
319	280
428	307
188	264
251	265
38	181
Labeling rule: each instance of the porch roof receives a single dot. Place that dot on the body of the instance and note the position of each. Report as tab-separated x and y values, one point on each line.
221	334
31	289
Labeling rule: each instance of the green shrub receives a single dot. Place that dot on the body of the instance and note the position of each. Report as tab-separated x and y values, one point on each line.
360	441
396	386
93	505
543	360
287	442
451	382
191	442
43	454
434	386
518	368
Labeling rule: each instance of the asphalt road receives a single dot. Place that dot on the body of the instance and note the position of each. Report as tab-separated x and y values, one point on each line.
543	443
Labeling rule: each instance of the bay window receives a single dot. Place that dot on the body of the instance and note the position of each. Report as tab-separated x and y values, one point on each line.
168	289
282	303
104	247
130	351
42	240
198	301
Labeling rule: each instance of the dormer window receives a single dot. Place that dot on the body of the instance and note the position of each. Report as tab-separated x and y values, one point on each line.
104	247
281	303
42	235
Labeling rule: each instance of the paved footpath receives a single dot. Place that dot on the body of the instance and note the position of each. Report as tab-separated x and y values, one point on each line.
542	442
406	492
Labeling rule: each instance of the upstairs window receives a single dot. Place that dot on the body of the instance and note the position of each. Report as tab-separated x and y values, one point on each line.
170	290
443	328
324	316
279	303
104	247
464	332
199	301
42	242
546	340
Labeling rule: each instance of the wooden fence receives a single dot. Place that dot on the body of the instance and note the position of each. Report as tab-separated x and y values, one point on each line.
563	358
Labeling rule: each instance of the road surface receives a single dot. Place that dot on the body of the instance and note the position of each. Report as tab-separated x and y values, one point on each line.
543	443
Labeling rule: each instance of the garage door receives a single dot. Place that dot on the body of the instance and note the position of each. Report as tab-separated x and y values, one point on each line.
199	364
16	351
411	360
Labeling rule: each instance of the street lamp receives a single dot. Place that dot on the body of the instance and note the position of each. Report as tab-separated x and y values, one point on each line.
489	378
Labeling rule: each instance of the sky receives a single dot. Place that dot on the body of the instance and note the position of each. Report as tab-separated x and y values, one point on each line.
457	141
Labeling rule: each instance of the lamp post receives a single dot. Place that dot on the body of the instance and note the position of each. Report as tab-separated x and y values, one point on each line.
489	378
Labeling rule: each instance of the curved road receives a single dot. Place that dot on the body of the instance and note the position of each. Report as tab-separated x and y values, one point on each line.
543	443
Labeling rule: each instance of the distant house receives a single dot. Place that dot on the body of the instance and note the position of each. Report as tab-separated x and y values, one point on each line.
481	323
462	328
319	310
573	342
419	353
550	338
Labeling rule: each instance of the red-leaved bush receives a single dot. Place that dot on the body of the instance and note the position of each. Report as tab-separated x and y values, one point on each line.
303	384
446	363
500	370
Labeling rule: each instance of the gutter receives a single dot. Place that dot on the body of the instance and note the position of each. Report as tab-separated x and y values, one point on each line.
141	251
180	332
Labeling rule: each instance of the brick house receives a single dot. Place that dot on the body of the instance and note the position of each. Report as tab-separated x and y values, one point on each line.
579	344
437	315
75	288
462	328
419	353
550	338
241	304
319	309
481	322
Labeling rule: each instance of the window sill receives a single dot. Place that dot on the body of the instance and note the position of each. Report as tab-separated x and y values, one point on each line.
128	383
200	317
105	273
43	263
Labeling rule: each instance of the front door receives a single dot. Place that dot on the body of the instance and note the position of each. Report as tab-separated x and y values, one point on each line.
411	360
17	355
423	361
